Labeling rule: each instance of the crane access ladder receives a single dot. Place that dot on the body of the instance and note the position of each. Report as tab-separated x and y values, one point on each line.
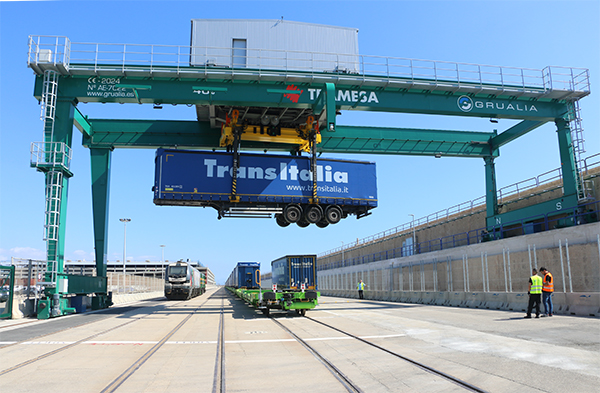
53	159
585	190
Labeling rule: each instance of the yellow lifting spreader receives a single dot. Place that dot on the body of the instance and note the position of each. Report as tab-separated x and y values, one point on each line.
299	136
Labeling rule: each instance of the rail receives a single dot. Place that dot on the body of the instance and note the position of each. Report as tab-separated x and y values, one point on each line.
68	57
513	191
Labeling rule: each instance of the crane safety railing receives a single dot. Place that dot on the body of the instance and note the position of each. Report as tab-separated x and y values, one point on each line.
514	191
70	56
542	222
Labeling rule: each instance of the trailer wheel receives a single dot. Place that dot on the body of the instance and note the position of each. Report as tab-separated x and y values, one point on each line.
323	223
333	214
281	221
303	223
314	213
292	213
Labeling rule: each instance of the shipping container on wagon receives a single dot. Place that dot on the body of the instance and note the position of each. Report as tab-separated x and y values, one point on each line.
245	275
291	271
199	178
273	44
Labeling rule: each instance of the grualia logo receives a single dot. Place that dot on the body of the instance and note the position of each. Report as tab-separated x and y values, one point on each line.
465	103
294	97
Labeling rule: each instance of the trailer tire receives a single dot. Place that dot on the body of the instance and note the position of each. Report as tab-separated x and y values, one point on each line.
313	214
303	223
323	223
292	213
333	214
281	221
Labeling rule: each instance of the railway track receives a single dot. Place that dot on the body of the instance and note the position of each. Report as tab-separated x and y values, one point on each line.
152	348
117	382
337	373
70	345
353	387
100	314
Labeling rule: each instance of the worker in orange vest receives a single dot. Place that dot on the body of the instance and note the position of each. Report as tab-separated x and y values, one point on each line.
547	291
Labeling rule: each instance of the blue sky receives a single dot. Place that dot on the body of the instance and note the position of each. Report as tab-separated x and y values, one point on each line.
528	34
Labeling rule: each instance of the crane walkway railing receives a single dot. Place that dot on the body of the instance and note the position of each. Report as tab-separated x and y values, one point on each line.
68	58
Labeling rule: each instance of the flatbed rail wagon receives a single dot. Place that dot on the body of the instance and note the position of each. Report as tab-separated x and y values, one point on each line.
294	286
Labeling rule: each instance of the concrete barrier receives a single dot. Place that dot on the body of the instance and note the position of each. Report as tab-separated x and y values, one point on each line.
455	299
135	297
576	303
516	301
475	299
495	300
582	304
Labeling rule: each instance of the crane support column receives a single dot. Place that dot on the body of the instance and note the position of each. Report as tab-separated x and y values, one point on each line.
567	158
100	167
491	192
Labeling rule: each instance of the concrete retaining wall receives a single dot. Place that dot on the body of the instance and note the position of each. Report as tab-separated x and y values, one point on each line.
428	235
490	275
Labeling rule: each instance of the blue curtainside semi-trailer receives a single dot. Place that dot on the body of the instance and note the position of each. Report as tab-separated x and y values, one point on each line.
266	184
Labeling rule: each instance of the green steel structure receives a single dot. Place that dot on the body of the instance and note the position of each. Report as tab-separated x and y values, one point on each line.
69	73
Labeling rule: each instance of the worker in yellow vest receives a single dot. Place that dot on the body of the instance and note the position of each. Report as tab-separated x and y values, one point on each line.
535	294
361	287
547	291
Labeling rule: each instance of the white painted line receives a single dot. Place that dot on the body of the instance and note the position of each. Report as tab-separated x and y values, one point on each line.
190	342
48	342
8	342
280	340
120	342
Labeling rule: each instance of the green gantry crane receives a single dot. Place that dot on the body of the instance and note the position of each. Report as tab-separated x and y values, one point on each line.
275	109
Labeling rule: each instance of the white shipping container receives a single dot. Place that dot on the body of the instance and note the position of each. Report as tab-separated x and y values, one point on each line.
274	44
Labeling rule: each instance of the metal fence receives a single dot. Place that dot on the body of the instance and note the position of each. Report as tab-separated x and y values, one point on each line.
28	272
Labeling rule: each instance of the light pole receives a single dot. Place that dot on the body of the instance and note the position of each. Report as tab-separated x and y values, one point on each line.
413	237
162	270
342	253
124	221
